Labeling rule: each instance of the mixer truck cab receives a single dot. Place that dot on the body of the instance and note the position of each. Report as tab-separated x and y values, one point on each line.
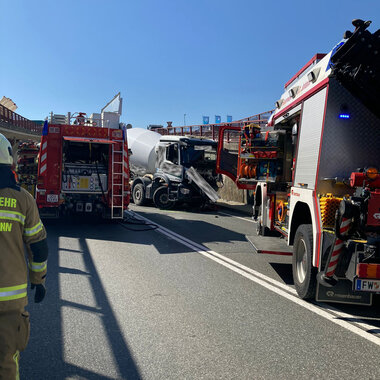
172	169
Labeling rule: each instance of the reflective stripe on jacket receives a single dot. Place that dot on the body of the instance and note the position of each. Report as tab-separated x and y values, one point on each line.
19	224
13	292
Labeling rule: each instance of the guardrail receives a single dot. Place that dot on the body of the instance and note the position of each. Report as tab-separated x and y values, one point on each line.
21	123
211	131
260	118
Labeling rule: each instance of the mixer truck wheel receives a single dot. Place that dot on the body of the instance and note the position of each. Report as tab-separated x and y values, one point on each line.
161	199
138	194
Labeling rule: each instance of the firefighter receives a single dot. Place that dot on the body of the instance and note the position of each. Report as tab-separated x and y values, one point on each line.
19	223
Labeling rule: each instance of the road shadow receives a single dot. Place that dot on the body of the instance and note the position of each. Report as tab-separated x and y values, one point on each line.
129	231
198	231
45	356
284	271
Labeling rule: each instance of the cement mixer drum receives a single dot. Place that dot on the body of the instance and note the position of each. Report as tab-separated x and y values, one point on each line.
142	143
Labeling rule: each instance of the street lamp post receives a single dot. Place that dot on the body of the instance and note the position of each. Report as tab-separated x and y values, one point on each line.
184	119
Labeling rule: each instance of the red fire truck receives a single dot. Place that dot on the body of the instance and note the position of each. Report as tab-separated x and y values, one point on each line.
315	170
82	169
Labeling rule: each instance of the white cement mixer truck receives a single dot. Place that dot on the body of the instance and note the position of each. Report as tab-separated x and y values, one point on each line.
172	169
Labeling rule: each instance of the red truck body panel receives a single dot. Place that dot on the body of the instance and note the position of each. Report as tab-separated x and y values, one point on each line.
50	193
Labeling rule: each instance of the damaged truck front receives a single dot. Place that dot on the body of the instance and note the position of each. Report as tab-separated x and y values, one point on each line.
172	169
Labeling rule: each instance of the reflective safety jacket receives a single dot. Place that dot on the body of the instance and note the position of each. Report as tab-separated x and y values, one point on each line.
20	224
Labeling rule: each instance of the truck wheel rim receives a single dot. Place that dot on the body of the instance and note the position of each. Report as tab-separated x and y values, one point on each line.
301	257
138	194
164	199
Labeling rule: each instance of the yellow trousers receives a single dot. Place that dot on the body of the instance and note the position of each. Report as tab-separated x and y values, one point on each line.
14	336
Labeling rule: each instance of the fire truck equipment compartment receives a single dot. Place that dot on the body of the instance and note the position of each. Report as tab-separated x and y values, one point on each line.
88	140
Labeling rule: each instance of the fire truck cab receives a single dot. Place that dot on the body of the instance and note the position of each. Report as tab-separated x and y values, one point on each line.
315	170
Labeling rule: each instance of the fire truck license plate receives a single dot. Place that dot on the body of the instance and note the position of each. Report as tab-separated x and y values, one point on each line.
52	198
365	285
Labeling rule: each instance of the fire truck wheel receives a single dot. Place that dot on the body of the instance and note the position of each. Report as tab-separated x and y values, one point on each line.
138	194
261	230
161	199
304	274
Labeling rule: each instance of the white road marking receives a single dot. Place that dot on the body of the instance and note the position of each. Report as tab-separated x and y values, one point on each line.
357	321
237	217
272	285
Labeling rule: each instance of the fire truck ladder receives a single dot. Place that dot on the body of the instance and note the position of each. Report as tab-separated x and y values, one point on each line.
117	187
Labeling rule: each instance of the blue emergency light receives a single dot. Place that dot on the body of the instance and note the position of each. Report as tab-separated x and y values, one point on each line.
344	116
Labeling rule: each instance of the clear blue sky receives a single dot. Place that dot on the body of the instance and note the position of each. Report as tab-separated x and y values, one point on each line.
166	57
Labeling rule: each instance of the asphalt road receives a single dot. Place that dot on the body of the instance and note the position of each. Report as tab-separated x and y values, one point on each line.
191	301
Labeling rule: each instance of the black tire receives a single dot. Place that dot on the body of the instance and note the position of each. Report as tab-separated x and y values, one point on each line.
304	274
260	229
161	199
138	195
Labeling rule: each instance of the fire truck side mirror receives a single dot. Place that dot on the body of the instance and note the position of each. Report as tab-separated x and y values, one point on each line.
295	129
